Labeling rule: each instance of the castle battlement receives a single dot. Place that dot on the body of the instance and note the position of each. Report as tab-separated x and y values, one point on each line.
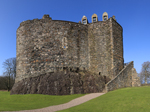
46	18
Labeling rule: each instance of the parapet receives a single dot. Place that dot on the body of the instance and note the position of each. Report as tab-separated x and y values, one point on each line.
44	18
94	18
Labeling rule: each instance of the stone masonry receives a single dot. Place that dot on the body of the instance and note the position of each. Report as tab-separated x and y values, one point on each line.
127	77
46	46
135	80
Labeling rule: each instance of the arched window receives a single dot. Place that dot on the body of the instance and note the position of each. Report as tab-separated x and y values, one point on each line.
64	43
94	18
84	20
105	16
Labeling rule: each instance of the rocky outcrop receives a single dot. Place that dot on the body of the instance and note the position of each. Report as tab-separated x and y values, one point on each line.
60	83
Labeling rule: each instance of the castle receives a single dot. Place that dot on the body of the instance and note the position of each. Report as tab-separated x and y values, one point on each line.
47	46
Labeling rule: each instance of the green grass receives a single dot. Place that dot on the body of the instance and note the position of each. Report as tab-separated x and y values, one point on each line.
31	101
135	99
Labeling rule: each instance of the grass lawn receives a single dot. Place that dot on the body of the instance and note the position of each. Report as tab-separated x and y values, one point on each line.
31	101
135	99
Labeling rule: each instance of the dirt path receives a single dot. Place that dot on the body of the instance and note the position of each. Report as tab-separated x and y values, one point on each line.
72	103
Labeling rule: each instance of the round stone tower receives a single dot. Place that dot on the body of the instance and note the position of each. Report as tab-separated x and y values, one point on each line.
46	45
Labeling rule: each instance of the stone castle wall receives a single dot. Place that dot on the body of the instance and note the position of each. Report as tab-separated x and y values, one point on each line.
135	80
46	45
40	50
62	57
100	47
123	79
117	39
106	47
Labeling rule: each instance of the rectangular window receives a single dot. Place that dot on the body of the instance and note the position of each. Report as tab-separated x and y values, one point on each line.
94	19
105	18
84	21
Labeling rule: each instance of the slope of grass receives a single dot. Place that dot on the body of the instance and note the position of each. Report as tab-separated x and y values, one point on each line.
135	99
31	101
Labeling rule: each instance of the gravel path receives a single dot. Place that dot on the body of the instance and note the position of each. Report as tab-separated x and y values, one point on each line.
72	103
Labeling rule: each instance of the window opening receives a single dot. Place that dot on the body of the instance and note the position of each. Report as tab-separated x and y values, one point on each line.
105	79
84	21
64	43
94	19
105	18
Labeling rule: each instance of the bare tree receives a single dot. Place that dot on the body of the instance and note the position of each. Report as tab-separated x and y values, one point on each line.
141	78
14	68
145	72
2	83
9	72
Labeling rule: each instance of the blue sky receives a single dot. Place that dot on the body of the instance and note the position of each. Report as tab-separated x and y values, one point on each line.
132	15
